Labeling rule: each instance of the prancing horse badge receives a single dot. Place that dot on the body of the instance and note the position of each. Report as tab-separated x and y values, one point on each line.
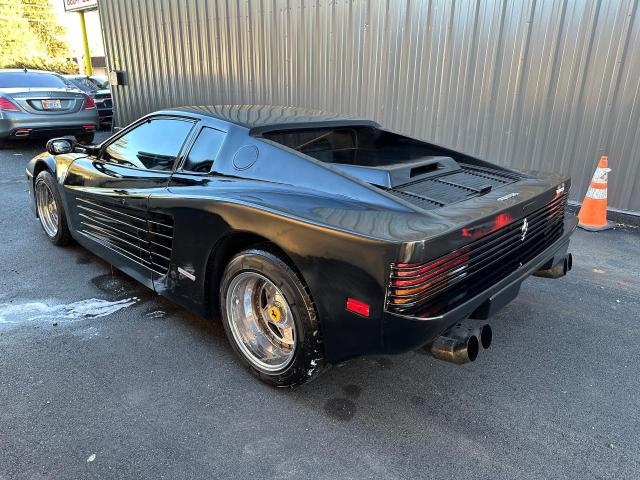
523	229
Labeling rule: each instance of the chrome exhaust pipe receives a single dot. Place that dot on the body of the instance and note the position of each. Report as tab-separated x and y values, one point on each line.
462	342
482	332
560	269
456	345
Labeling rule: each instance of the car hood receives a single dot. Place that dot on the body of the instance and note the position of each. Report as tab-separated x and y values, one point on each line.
416	229
454	225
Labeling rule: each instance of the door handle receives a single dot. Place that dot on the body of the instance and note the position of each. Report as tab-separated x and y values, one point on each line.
122	200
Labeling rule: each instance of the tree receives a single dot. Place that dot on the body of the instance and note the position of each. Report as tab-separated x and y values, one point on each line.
42	24
30	37
15	40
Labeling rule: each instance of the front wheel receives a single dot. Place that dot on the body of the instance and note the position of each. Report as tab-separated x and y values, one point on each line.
270	319
50	209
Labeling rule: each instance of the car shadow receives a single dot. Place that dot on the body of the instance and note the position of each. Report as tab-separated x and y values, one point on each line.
409	391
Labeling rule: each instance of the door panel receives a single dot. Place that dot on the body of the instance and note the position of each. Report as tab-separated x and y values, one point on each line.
109	210
144	237
109	196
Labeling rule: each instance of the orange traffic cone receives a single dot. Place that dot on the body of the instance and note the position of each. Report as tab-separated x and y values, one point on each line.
593	212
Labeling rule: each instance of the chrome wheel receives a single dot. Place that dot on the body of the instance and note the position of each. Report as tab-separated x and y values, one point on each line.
47	209
261	321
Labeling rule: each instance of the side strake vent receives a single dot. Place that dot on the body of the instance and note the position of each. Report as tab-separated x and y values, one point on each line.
144	239
160	240
451	187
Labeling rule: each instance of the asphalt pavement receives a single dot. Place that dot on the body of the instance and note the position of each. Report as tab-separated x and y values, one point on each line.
101	378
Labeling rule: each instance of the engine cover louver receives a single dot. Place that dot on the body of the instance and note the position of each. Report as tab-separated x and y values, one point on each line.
144	238
452	187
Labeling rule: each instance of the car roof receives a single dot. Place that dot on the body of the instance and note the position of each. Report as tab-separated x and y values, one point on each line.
262	118
26	70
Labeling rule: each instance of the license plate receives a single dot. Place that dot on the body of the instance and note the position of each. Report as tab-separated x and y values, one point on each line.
51	104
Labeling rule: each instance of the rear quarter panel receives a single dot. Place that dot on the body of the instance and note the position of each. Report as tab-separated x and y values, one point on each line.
334	262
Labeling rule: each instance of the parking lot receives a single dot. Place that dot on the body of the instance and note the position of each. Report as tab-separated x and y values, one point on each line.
99	377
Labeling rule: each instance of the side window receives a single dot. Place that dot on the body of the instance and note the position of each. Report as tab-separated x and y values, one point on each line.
204	151
153	145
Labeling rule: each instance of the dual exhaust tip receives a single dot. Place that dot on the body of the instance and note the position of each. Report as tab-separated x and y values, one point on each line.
559	269
461	343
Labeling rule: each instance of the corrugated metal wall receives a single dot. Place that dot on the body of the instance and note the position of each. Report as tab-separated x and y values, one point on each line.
536	84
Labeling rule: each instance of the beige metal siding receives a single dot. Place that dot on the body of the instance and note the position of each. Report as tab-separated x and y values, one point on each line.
532	84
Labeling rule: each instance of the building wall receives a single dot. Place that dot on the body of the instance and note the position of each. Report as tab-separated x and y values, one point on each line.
536	84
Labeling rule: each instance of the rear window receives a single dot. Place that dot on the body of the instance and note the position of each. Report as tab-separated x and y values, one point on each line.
84	84
30	80
353	145
101	82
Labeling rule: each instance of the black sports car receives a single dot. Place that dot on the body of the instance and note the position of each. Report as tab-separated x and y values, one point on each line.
98	89
317	237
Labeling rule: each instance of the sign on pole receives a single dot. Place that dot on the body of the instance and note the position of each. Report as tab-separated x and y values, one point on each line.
78	5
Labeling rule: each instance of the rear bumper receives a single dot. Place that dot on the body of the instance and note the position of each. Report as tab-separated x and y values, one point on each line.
404	333
13	123
105	115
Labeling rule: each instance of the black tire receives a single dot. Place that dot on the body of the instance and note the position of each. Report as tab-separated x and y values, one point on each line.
62	236
86	138
308	356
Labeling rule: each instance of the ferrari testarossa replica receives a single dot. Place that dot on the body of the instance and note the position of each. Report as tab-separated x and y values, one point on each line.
317	238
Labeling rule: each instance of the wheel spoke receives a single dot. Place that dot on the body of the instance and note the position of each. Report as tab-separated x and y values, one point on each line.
47	208
261	321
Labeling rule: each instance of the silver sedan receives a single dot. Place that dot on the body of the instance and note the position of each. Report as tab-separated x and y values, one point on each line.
41	104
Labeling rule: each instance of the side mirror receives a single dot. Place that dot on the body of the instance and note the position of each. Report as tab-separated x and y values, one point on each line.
57	146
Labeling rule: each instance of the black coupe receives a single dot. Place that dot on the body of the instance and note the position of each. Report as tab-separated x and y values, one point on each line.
316	237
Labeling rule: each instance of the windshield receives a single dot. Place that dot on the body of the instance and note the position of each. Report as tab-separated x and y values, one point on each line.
84	84
30	80
101	82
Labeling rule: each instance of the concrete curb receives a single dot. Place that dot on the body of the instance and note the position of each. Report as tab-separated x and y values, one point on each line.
624	217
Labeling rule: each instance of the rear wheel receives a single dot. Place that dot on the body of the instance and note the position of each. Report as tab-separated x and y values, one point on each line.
50	209
270	319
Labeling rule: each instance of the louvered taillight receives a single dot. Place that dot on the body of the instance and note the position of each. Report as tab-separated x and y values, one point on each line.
410	281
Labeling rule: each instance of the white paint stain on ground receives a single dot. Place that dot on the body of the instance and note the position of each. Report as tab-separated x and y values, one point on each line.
19	313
